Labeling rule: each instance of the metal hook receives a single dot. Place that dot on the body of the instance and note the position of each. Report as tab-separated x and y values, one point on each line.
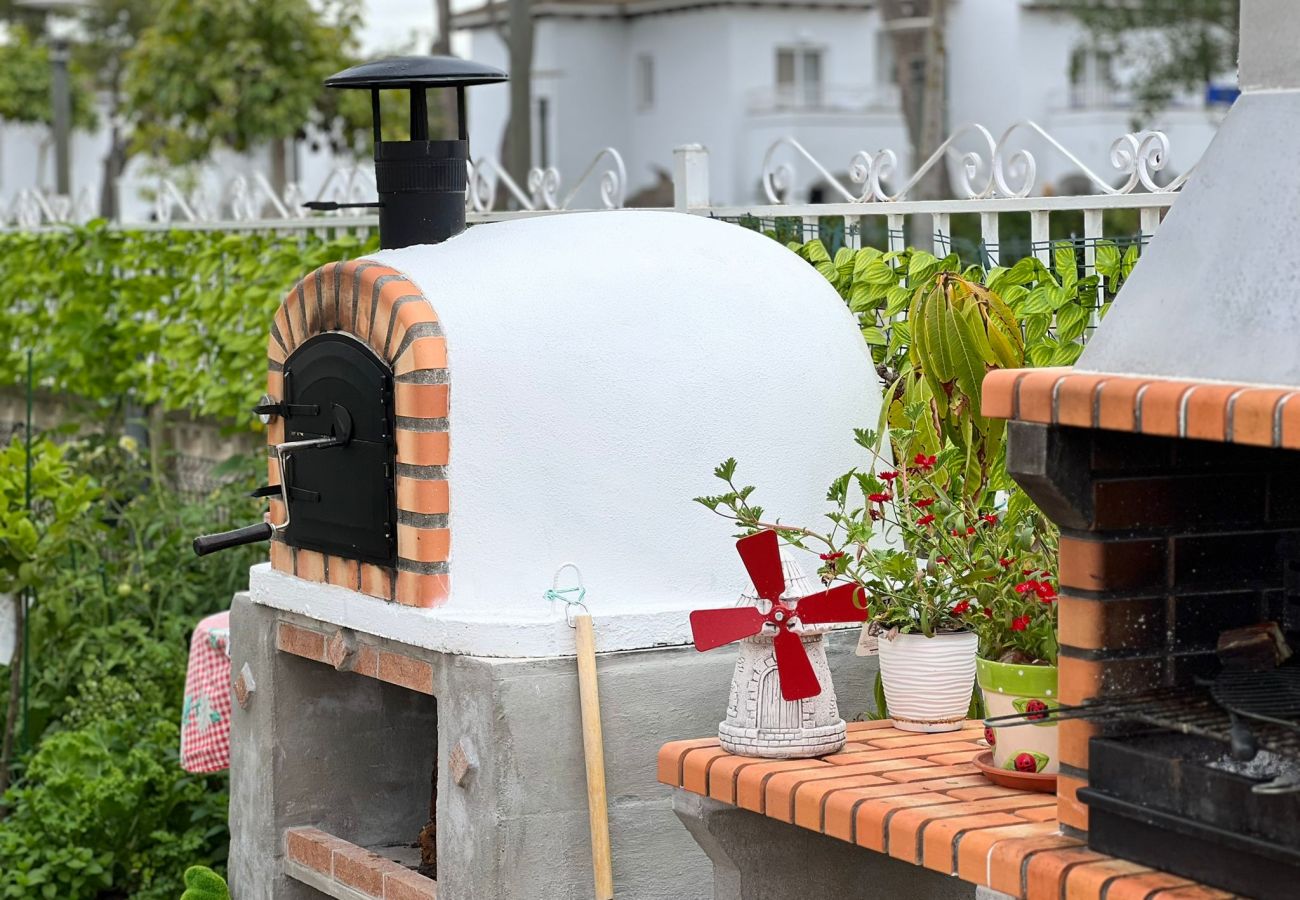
558	593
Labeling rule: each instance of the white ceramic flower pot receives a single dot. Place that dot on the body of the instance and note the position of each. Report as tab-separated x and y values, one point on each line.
928	681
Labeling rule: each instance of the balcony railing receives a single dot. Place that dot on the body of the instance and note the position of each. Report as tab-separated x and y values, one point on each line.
823	98
1103	97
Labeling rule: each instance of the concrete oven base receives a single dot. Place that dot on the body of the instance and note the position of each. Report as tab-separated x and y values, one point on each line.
318	744
757	858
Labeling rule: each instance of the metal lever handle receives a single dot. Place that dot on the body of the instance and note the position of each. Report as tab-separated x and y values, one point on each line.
251	534
262	531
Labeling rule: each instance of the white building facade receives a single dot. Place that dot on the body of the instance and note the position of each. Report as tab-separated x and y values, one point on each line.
737	76
644	76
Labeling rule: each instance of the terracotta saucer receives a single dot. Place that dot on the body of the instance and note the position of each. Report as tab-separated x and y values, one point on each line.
1023	781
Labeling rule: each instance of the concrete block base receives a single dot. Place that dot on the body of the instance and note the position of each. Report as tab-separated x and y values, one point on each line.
355	756
757	858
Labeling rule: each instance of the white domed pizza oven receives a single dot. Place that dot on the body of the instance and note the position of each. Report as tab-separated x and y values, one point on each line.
449	424
556	390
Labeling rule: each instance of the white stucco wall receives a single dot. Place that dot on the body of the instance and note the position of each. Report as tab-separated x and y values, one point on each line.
601	366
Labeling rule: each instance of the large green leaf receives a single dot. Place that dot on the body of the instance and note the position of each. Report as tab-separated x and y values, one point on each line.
968	356
1071	321
874	337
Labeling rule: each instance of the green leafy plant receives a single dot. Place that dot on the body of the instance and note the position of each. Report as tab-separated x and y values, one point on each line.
103	808
1055	305
929	560
40	501
201	883
167	321
37	515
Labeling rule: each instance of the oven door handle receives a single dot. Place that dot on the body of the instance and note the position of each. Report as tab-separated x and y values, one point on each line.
263	531
250	534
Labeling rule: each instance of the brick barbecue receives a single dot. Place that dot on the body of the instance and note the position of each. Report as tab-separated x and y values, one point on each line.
1167	455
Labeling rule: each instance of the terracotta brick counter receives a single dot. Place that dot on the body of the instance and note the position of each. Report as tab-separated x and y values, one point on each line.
919	799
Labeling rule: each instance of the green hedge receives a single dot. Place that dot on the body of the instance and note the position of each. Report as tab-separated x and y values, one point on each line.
173	319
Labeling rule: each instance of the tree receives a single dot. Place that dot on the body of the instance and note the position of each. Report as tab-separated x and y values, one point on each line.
236	74
114	25
1164	46
25	82
442	47
917	30
517	34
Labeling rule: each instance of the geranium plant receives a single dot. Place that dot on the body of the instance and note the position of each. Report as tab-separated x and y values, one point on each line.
930	559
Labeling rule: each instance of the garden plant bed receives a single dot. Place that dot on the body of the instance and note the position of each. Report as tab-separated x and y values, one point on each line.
919	798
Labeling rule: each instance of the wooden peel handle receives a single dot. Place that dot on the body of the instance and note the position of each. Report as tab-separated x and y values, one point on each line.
593	745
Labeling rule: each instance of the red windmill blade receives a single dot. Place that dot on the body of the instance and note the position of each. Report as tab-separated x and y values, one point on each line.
761	554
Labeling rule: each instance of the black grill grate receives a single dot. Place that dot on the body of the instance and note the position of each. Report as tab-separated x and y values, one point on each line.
1197	710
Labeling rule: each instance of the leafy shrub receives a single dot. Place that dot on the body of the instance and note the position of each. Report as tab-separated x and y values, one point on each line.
103	806
173	318
201	883
1055	305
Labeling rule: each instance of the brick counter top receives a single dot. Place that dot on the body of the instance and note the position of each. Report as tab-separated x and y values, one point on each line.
918	798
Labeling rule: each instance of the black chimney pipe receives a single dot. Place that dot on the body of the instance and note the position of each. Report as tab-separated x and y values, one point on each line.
421	182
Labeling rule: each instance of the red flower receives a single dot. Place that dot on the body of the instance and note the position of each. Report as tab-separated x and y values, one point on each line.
1046	593
970	529
1025	762
1035	710
941	560
961	608
989	737
889	476
880	498
988	613
1020	623
924	462
828	557
925	520
988	517
1005	563
922	504
1026	587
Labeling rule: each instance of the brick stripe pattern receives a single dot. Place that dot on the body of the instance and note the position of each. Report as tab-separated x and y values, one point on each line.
918	798
1201	410
346	864
1180	494
364	658
381	307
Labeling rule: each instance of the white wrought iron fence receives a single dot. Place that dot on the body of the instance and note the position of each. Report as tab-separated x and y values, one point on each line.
995	181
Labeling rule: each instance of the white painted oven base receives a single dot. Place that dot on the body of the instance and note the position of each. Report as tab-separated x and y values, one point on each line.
512	632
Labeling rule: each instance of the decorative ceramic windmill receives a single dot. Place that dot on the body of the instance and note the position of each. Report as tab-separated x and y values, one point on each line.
782	701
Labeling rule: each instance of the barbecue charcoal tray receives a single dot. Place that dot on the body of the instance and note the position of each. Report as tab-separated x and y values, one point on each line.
1155	799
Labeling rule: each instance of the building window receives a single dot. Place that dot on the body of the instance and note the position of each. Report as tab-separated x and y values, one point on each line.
799	76
1092	79
645	81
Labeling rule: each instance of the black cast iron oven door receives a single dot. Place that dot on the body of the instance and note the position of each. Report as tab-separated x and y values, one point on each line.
356	514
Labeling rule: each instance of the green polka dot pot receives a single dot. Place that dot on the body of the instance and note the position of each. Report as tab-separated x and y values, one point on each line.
1011	688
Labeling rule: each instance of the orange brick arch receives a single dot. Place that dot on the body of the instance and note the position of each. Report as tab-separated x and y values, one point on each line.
381	307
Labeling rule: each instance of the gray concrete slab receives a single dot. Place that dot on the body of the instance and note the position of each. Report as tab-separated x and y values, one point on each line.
757	858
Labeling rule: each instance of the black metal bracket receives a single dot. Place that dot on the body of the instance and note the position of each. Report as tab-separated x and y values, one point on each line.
331	205
287	410
295	493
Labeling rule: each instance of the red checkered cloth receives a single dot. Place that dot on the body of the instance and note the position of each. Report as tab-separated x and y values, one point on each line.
205	722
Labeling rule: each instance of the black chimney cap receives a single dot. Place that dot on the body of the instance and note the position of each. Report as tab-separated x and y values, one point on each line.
410	72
